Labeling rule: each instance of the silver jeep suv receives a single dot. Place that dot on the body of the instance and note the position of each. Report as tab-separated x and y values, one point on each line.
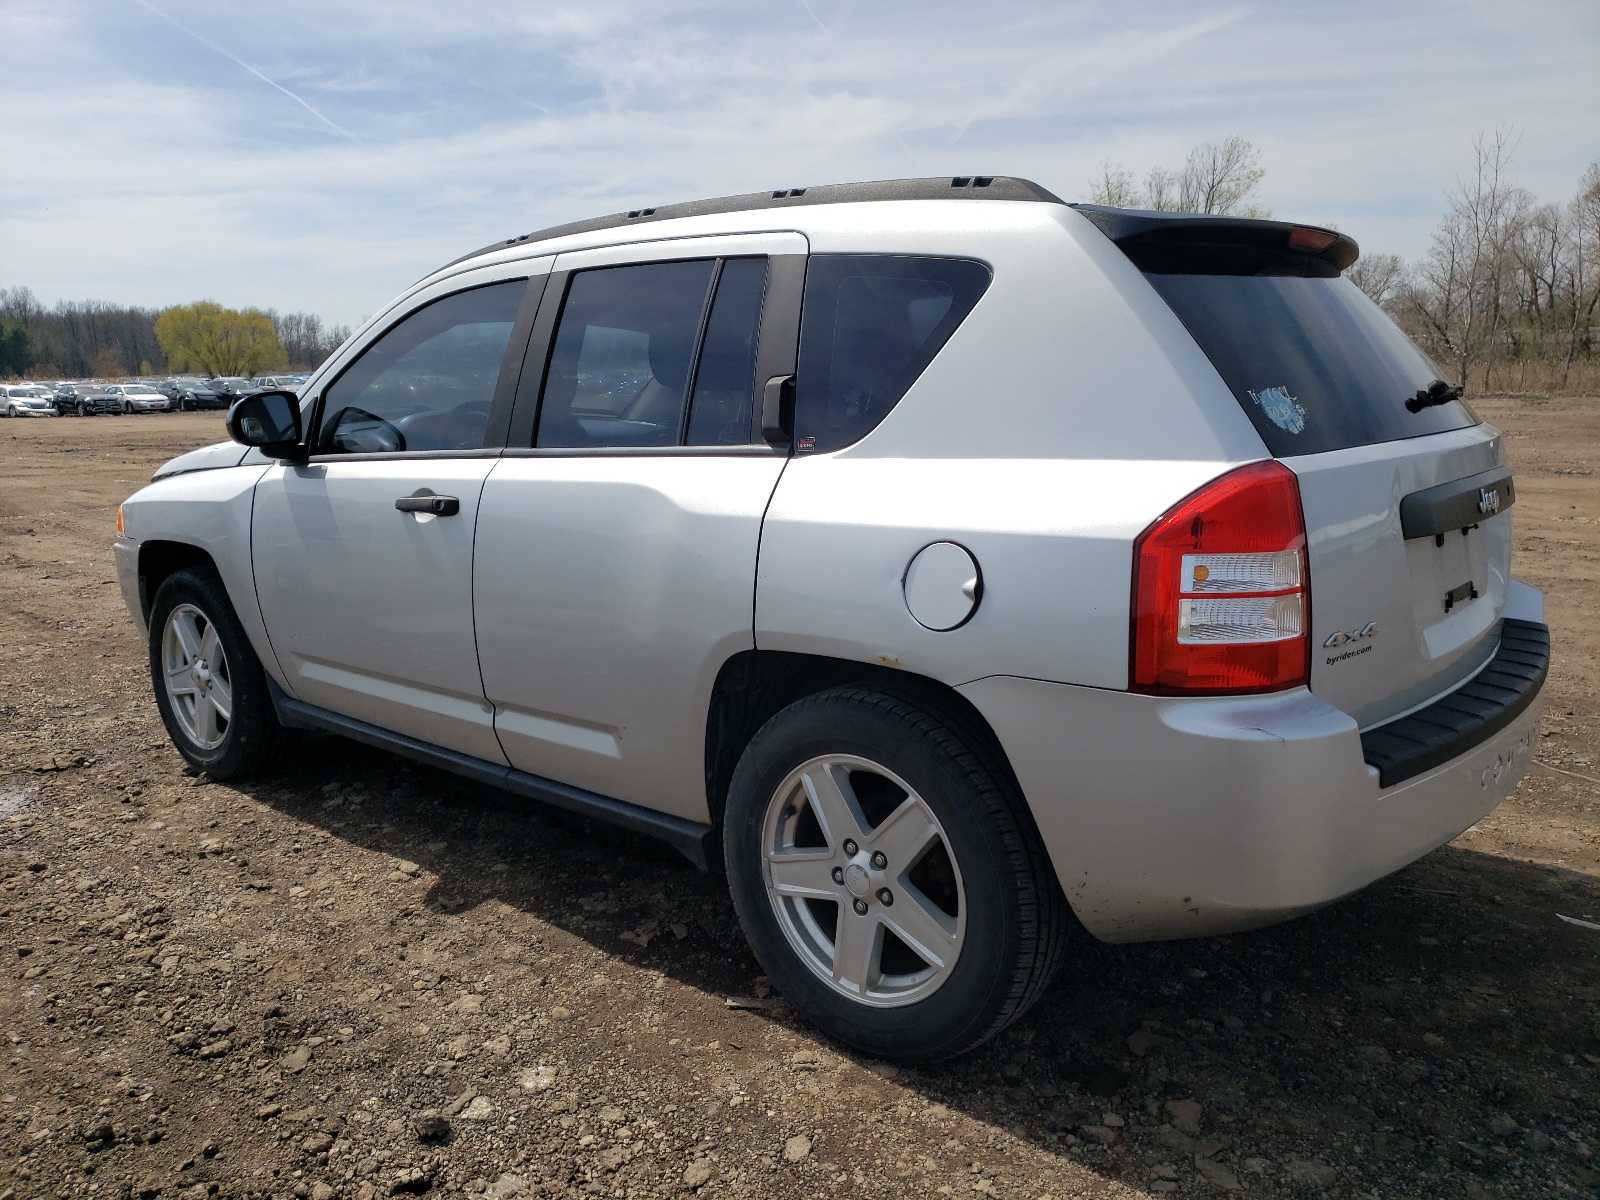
949	564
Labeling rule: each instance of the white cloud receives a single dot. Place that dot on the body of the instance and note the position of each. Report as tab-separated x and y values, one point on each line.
155	171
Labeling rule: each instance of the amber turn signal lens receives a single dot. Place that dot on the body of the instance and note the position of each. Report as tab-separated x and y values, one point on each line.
119	518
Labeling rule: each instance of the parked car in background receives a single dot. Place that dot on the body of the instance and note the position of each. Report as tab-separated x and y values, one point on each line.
1116	568
188	395
27	400
138	397
86	400
230	387
288	382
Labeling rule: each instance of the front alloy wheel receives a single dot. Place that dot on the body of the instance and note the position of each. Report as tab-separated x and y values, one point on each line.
195	671
209	684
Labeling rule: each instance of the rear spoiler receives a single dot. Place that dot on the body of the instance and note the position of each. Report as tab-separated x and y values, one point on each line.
1197	243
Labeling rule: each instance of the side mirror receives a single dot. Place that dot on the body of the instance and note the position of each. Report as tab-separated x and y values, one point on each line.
269	421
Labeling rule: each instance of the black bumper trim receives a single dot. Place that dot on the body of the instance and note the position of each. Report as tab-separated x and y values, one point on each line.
1468	716
697	843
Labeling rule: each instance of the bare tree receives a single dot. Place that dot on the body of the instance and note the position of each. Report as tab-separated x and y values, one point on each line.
1114	186
1461	293
1217	177
1583	270
1161	190
1380	276
305	339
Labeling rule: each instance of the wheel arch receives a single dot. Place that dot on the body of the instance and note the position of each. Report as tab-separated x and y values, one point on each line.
755	685
161	559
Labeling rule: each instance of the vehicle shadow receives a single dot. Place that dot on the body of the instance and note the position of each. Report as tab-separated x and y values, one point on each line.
1435	1034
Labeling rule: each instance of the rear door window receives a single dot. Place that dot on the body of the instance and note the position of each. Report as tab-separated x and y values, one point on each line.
870	326
1313	362
655	354
620	365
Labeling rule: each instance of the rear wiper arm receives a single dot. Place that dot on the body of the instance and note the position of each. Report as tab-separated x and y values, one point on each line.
1437	392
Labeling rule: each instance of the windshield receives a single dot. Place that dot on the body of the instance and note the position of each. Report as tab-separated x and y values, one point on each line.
140	391
1313	362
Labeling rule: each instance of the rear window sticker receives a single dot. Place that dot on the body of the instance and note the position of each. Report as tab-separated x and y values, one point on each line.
1282	409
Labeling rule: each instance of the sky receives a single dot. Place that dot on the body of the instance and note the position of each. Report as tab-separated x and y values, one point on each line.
321	155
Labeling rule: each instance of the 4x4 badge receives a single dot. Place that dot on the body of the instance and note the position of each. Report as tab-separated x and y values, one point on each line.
1370	629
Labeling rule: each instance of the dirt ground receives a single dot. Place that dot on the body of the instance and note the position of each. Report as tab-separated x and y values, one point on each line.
364	978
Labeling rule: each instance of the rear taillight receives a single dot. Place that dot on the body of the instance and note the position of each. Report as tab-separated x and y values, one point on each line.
1221	592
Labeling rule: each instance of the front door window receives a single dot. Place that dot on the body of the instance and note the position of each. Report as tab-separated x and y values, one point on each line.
428	383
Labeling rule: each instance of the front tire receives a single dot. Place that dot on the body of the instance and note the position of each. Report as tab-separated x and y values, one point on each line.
209	684
889	877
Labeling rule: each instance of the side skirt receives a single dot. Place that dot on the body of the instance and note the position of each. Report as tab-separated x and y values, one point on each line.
697	843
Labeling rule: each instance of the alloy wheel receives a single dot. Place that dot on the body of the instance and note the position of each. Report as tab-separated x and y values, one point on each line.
195	670
862	878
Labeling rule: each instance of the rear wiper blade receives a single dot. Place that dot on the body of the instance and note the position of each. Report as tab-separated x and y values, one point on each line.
1437	392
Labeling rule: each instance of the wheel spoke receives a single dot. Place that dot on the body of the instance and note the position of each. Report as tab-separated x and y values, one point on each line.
834	803
857	949
221	697
921	926
802	873
188	635
904	834
208	644
206	719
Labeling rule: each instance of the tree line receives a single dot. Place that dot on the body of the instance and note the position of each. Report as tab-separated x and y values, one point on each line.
1508	295
1506	298
93	339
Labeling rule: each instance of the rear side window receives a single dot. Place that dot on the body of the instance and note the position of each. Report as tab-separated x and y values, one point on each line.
1313	362
871	324
720	414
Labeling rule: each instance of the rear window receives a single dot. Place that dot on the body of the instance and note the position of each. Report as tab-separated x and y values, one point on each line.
1315	365
871	324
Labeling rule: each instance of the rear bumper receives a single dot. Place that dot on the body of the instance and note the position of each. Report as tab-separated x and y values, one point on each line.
1169	817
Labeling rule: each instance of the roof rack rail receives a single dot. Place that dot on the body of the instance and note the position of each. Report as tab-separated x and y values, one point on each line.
960	187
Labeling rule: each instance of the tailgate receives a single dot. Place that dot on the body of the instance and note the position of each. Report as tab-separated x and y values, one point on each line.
1397	620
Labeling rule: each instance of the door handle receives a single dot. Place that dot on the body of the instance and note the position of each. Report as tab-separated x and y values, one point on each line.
778	389
425	501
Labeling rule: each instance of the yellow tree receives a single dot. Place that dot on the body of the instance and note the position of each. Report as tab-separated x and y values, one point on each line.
219	341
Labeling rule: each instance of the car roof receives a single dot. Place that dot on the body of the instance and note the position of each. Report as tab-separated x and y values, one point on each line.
958	187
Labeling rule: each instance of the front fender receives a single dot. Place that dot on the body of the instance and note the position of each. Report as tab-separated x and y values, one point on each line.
210	510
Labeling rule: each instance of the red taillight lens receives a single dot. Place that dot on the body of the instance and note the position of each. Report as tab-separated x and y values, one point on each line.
1221	591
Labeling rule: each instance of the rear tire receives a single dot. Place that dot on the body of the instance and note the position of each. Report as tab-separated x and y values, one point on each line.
958	922
209	684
